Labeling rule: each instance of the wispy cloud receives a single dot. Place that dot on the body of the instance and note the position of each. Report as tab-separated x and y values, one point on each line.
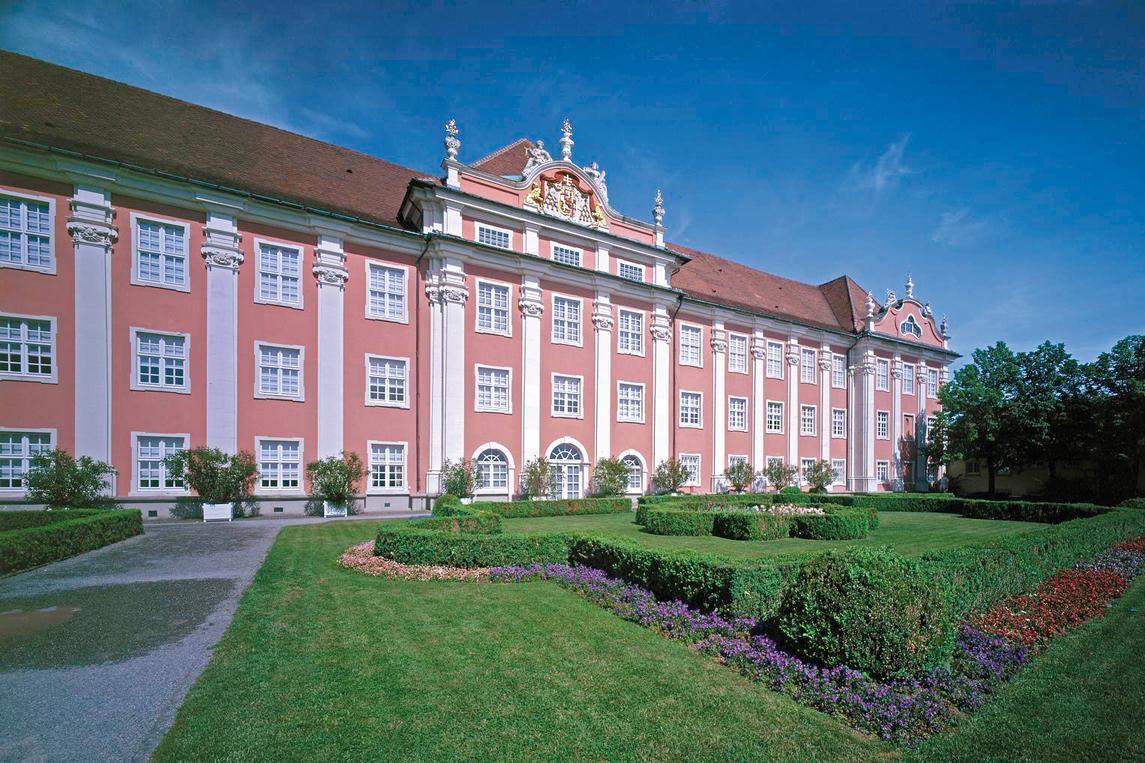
958	228
886	170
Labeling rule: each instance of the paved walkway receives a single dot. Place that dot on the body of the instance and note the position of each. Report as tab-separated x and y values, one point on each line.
97	652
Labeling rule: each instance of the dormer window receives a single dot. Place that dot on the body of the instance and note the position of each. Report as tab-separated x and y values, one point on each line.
910	326
629	270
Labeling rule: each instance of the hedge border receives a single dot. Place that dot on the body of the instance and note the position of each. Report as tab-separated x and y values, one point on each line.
30	547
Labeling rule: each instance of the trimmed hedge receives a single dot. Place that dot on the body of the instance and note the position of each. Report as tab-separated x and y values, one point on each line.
20	519
481	523
836	523
555	507
675	522
751	525
67	533
842	524
418	545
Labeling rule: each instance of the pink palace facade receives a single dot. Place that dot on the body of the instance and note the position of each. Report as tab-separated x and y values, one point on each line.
171	276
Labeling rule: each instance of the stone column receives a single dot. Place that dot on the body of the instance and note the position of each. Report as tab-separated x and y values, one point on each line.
867	406
330	270
853	432
603	324
758	403
223	259
532	308
447	293
793	406
920	423
825	402
897	434
719	344
661	331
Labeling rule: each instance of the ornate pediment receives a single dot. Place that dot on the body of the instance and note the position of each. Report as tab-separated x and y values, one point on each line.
561	197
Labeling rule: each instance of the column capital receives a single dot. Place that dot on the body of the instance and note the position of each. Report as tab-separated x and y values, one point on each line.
719	340
661	328
90	221
330	262
221	244
443	287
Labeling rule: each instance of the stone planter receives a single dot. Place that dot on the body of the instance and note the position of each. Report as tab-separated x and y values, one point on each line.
217	512
335	509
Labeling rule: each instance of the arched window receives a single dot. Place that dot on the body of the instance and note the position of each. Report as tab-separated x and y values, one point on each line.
635	473
492	469
910	326
566	467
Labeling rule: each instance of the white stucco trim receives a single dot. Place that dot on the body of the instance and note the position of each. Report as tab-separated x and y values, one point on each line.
259	243
645	475
370	265
259	394
50	268
138	217
405	487
54	376
133	348
476	398
293	492
52	443
643	402
159	491
680	408
477	284
385	403
222	342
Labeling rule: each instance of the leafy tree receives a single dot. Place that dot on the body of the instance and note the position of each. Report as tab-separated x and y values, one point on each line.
335	478
59	480
459	478
820	475
740	475
216	476
1049	388
610	477
1117	379
670	476
536	479
779	475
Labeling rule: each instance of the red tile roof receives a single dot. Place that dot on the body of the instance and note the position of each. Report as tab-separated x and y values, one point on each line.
50	105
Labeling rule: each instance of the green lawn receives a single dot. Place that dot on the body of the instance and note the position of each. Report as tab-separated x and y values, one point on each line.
1082	700
911	533
324	663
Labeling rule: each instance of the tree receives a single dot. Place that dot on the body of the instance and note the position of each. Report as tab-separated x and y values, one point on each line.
779	475
335	478
459	478
58	480
670	476
610	477
1117	378
820	475
536	479
216	476
740	475
1049	386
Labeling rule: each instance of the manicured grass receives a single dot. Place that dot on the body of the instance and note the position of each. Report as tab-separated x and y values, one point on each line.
1081	700
910	533
324	663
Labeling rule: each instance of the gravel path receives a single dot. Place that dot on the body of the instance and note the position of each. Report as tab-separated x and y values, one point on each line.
97	652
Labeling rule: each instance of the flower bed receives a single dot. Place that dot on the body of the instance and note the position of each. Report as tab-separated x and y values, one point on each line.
361	558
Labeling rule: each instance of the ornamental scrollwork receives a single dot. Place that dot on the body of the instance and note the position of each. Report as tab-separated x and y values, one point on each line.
758	352
531	308
719	345
603	322
331	275
456	294
92	233
222	258
661	333
793	358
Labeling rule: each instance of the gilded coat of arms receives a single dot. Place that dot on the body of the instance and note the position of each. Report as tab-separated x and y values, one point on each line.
562	198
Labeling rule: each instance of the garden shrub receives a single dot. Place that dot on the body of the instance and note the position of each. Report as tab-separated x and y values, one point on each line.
409	544
750	525
609	477
214	475
459	478
68	533
869	609
845	524
674	522
1133	503
669	476
58	480
450	506
790	490
334	479
478	522
554	507
18	520
536	478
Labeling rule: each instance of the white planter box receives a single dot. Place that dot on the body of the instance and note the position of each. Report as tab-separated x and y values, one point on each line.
217	512
466	501
334	509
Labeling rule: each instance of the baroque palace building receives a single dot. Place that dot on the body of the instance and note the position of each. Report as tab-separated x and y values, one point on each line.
172	276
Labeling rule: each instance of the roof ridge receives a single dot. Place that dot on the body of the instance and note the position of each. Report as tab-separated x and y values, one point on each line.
501	150
749	267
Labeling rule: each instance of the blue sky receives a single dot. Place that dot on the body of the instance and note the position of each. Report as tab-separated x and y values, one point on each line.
995	152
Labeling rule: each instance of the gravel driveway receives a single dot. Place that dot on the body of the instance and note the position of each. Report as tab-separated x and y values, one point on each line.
97	652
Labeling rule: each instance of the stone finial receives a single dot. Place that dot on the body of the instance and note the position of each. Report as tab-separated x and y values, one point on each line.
658	210
870	305
566	141
452	144
891	298
909	286
944	328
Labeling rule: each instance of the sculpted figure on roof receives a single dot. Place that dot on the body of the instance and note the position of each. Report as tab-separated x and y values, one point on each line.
536	155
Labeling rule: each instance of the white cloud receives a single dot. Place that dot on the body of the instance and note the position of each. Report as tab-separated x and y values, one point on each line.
957	228
886	170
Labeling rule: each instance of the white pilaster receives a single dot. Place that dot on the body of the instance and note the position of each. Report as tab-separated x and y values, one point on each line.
222	258
90	226
603	323
825	402
920	423
719	400
661	330
447	293
868	412
758	404
330	270
532	240
793	404
853	431
452	219
896	423
602	258
532	308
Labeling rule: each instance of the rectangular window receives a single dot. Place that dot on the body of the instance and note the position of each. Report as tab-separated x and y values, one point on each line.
279	465
908	379
805	466
160	361
386	381
774	360
566	320
502	239
387	466
737	353
932	382
774	417
629	402
807	420
807	360
279	371
839	371
838	422
16	452
883	471
691	340
630	271
882	372
25	233
566	255
908	426
691	464
882	425
839	471
566	396
385	292
160	254
630	333
150	462
492	308
493	389
737	414
691	409
973	469
773	460
27	348
279	274
930	422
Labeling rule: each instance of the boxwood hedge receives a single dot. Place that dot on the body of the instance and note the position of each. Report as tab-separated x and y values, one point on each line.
61	534
410	544
555	507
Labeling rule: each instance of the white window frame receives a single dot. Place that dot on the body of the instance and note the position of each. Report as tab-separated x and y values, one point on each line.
136	219
782	416
26	455
733	338
838	371
839	471
682	328
808	372
804	464
50	268
477	397
885	468
372	316
639	333
643	392
185	388
53	377
882	425
909	378
258	393
510	469
932	383
478	227
400	490
698	479
629	489
835	434
579	341
804	429
778	347
135	488
553	396
386	403
259	243
508	308
882	374
269	491
743	427
621	264
680	409
554	246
